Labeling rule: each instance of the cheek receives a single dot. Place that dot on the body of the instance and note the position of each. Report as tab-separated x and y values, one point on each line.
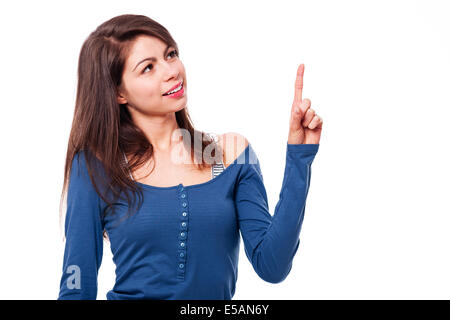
144	89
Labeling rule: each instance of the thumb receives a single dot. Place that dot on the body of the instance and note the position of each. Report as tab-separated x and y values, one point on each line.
296	119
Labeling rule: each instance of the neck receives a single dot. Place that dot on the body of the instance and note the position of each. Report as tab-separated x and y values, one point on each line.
159	130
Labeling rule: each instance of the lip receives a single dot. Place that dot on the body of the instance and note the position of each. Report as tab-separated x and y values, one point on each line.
177	94
174	87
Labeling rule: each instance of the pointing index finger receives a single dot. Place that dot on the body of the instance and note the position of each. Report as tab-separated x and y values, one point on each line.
299	85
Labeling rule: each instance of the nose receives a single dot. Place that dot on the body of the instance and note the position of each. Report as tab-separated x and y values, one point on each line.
172	72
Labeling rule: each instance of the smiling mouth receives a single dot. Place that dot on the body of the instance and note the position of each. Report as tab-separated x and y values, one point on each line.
175	90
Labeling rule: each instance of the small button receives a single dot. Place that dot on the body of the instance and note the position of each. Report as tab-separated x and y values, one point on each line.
182	234
181	254
181	266
183	224
184	214
182	244
184	204
183	195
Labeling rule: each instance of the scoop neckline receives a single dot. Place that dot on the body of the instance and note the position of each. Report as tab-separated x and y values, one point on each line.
180	185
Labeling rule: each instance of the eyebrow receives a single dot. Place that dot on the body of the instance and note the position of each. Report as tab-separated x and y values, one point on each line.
152	58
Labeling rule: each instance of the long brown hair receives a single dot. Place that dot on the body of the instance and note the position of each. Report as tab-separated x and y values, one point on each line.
103	128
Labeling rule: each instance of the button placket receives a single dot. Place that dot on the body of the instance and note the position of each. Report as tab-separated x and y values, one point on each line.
183	232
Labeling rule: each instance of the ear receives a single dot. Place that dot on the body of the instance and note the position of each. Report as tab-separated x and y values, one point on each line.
121	93
121	99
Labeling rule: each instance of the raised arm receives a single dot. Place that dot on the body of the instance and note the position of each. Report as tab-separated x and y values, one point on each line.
271	242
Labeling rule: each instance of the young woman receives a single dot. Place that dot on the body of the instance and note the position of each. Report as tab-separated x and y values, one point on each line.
132	138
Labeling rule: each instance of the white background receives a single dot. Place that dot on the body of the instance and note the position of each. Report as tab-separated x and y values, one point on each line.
378	72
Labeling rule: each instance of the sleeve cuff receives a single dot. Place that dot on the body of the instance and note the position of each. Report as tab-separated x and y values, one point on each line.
304	148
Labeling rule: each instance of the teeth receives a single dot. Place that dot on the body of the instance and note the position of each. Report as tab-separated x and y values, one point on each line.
175	90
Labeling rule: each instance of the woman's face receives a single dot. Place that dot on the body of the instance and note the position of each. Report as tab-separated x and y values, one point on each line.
151	70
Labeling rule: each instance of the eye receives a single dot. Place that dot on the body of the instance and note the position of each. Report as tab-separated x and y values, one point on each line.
143	71
175	52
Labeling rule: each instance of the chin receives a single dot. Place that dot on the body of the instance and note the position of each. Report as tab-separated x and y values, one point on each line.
180	108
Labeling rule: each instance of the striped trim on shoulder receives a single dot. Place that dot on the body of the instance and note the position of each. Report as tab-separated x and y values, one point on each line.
217	168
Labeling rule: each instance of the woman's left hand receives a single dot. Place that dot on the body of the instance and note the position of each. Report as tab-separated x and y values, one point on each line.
305	125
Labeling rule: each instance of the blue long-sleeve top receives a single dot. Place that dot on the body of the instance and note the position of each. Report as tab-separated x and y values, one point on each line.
183	243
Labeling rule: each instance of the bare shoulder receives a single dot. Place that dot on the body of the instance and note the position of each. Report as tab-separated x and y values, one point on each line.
232	144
